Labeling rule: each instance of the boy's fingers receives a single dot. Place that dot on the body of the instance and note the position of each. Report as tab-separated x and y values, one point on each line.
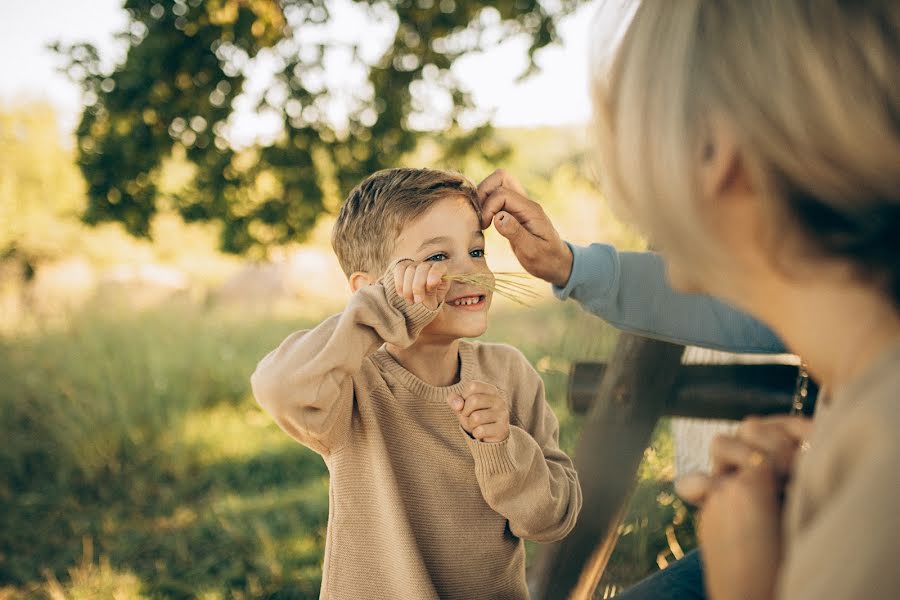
478	402
400	269
419	279
480	387
456	402
485	416
435	277
408	278
491	434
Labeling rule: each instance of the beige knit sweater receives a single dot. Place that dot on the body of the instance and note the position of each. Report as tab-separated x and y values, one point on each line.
842	520
418	509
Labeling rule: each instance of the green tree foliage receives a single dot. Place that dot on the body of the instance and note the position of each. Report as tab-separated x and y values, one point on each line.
41	191
188	60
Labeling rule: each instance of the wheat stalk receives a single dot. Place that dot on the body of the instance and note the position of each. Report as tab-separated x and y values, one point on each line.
510	285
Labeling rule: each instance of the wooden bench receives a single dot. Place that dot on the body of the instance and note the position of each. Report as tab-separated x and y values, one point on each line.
623	400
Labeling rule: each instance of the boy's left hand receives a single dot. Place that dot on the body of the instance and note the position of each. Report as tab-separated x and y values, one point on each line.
482	412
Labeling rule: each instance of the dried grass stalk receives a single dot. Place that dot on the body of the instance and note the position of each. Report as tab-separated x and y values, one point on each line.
510	285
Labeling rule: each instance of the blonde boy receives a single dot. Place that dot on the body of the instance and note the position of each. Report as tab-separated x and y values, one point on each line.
443	453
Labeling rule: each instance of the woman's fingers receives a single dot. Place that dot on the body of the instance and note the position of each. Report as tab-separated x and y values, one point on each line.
779	437
772	439
729	454
497	179
526	211
694	487
797	427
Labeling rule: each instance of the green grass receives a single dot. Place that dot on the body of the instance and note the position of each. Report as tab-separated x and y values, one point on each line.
136	465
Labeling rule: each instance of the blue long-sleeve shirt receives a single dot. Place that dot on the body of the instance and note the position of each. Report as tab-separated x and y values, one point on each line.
630	292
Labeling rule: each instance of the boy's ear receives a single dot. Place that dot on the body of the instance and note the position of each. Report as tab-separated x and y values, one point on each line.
360	279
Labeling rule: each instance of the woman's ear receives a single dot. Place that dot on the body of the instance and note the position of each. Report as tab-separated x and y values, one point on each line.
360	279
723	174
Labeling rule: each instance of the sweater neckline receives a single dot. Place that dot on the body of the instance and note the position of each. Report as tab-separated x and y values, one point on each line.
386	361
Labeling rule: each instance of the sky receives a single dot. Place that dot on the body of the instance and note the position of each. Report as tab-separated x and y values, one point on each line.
556	96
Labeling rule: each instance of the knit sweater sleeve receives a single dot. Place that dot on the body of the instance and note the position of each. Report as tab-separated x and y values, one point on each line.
307	382
527	478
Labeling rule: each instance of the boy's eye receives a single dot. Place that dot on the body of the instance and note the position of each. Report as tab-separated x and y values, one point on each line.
437	257
477	253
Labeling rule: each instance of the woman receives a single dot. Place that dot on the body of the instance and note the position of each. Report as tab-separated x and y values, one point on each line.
758	145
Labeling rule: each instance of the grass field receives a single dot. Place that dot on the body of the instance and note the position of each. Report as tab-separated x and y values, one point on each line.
136	465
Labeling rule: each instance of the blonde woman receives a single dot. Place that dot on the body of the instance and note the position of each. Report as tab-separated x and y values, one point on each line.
757	143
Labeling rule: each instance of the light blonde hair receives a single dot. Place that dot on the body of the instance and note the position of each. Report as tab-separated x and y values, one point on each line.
808	88
382	204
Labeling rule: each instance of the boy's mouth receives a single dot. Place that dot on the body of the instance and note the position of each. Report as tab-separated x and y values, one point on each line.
473	302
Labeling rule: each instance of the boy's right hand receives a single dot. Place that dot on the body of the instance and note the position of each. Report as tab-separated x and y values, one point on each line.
421	282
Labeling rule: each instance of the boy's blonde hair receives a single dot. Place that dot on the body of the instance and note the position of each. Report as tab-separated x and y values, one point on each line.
808	88
379	207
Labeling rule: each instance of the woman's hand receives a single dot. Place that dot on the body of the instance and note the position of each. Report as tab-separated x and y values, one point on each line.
740	534
524	223
741	504
774	439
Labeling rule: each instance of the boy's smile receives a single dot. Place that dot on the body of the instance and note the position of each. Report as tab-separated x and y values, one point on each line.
450	232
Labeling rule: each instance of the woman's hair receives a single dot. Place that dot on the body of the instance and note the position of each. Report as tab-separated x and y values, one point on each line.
810	89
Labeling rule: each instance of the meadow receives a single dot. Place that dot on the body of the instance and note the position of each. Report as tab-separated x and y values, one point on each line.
137	464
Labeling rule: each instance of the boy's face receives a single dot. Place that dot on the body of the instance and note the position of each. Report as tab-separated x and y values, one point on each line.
450	232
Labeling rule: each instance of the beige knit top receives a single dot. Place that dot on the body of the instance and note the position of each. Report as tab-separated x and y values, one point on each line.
418	509
842	520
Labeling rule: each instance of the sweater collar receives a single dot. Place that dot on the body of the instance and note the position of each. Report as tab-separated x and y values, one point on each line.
424	390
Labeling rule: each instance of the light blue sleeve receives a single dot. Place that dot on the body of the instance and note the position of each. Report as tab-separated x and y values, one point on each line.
629	291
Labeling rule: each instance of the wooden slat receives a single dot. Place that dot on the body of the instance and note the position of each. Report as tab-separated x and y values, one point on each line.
707	391
611	446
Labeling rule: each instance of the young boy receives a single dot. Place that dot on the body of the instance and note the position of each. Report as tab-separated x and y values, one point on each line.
443	453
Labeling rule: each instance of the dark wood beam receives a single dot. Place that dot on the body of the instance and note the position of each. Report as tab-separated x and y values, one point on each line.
730	391
633	394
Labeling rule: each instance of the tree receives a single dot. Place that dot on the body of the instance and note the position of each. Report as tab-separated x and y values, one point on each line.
41	191
186	63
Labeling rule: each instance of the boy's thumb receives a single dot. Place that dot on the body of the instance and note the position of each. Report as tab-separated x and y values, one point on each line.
456	402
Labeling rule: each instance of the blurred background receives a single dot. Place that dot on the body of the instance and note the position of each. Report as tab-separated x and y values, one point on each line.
169	175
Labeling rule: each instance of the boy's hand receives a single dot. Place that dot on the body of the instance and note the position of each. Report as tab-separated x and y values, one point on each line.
482	411
421	282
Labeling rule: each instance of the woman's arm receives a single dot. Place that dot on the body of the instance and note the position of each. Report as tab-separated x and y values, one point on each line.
630	292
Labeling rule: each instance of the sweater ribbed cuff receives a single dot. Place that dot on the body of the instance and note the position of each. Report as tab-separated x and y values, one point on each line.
417	315
491	458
